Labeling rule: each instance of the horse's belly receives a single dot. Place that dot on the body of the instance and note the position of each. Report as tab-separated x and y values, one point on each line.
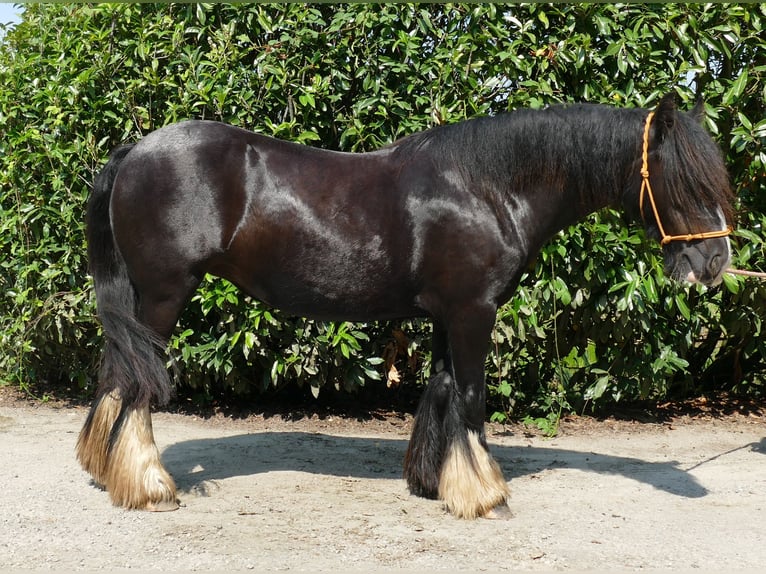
337	285
352	299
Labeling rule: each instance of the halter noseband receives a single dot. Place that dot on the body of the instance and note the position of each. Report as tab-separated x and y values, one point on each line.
646	187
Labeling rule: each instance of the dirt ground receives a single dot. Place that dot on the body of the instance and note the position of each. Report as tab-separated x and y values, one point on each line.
326	494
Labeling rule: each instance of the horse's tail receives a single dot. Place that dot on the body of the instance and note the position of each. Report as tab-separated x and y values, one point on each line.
131	363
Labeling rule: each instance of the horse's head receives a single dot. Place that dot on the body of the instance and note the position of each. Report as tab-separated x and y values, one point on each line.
686	197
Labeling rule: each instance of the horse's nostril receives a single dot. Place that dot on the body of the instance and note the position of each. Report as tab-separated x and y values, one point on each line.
716	266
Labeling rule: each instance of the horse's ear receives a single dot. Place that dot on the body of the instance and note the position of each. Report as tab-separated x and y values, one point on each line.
697	113
665	115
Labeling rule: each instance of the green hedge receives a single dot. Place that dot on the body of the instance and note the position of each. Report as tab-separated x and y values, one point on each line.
594	322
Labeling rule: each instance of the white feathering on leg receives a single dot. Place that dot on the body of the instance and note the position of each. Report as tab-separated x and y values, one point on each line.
471	483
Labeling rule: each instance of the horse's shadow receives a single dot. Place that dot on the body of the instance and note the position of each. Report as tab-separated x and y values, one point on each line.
195	464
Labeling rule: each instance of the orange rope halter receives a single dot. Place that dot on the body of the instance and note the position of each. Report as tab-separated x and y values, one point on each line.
646	187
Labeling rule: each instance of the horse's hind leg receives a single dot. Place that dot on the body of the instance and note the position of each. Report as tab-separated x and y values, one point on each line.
120	432
116	446
117	443
425	453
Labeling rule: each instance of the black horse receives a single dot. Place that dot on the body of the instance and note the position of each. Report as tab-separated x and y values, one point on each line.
441	224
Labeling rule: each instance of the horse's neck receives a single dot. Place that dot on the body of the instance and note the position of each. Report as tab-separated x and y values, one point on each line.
566	176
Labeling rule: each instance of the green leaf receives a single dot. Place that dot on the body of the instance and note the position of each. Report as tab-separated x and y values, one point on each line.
682	307
745	121
731	283
736	89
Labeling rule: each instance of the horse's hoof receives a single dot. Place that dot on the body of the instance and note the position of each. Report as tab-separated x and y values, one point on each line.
499	512
162	506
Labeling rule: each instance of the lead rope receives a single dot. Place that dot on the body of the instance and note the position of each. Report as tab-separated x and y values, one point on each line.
735	271
646	189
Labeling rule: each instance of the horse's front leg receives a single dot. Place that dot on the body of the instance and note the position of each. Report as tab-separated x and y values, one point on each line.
448	456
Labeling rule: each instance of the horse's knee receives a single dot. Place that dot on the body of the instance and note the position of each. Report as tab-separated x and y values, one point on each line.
116	446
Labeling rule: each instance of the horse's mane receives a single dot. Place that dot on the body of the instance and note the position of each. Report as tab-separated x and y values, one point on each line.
593	147
525	150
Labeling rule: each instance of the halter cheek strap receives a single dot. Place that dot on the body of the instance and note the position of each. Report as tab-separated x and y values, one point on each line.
646	188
